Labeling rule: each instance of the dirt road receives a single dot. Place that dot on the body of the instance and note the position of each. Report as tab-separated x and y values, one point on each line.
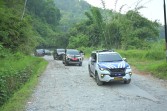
69	88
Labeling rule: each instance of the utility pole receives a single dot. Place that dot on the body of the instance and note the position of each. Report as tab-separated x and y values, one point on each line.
165	28
24	9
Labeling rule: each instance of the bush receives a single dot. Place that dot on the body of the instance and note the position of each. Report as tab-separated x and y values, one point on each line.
159	69
152	60
156	52
15	71
138	54
4	52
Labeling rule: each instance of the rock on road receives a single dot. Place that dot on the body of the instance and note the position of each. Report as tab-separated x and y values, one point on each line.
69	88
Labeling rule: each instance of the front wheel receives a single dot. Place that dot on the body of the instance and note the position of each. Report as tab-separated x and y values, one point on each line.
65	63
80	64
99	83
54	57
127	81
89	71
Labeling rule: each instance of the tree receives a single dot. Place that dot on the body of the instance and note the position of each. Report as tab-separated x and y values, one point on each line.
46	10
15	34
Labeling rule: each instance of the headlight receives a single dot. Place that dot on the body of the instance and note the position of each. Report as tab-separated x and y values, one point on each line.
130	73
102	69
128	70
128	67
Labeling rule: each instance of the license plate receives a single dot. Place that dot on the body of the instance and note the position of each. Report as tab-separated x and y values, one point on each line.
118	78
74	59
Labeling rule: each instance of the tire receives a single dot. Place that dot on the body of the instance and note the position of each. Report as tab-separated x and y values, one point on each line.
65	63
80	64
99	83
127	81
89	71
54	57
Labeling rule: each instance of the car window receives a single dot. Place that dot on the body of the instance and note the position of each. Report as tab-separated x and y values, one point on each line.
60	50
73	52
109	57
40	50
93	56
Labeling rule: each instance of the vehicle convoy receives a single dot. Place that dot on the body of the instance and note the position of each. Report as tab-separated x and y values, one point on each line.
58	54
108	66
72	56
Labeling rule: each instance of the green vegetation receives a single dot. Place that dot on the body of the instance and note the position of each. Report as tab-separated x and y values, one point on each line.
152	60
69	24
15	71
18	39
72	12
129	31
18	79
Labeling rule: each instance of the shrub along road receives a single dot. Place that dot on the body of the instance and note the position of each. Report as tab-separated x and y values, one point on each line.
69	88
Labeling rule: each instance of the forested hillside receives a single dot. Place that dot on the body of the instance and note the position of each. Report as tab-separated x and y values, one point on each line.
45	20
37	26
72	23
72	12
121	31
19	36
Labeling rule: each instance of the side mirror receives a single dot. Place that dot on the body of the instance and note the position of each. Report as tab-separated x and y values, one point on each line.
124	59
93	60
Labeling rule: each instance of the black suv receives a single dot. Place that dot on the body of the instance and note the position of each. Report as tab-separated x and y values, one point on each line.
58	54
72	56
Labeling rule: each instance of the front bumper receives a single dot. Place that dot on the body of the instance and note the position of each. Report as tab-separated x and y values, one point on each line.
108	78
70	61
73	62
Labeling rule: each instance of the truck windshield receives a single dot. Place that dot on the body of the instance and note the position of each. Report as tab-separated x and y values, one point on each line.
60	50
109	57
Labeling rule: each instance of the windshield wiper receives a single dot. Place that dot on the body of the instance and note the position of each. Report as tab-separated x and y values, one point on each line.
116	60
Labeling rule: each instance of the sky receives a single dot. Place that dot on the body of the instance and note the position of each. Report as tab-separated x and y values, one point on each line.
153	9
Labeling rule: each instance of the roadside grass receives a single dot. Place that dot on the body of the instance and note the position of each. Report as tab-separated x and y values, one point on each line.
151	61
19	99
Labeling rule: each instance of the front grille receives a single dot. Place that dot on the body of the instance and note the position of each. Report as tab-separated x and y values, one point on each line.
117	72
74	60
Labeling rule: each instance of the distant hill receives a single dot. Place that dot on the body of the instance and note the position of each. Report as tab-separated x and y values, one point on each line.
72	12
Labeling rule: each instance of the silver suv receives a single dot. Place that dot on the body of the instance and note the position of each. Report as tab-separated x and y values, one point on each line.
107	66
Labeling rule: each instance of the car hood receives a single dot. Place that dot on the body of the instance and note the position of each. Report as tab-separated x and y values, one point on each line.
112	65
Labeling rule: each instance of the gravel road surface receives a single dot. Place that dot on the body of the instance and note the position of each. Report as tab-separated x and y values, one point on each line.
69	88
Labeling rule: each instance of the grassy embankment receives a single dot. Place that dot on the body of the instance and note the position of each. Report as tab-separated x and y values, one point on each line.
18	77
152	61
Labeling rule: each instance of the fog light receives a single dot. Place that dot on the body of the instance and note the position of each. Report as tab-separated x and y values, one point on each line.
130	73
102	75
